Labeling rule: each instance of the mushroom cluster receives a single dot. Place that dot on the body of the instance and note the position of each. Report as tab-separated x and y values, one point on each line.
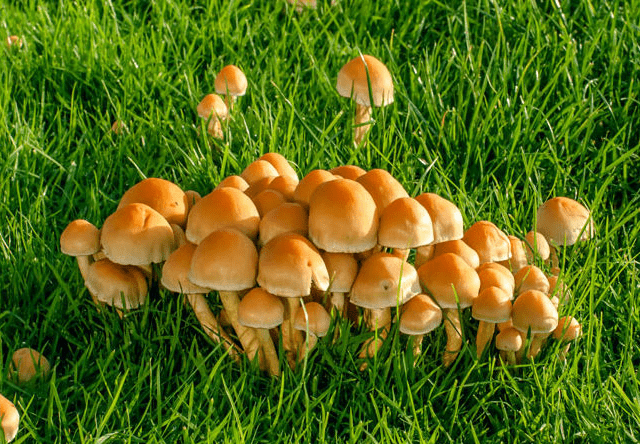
286	256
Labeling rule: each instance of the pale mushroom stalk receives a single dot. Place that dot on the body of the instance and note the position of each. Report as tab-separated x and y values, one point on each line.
537	341
269	353
484	336
337	300
247	336
291	338
378	320
508	356
361	123
210	324
453	328
214	127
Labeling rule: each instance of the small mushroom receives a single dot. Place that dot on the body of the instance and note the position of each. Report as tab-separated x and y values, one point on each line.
213	109
231	83
567	331
314	320
420	315
10	419
28	365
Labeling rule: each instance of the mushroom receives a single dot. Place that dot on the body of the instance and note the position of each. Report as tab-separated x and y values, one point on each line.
568	330
162	195
536	245
289	217
534	312
13	41
509	342
262	311
81	239
531	278
457	246
454	285
493	305
404	224
308	185
258	169
492	274
28	365
314	320
213	110
10	419
447	222
342	268
123	287
368	82
281	164
518	257
231	83
233	181
420	315
491	244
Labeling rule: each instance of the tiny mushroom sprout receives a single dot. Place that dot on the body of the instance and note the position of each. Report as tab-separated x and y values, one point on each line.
262	311
384	281
289	265
213	110
534	312
28	365
368	82
175	278
81	239
13	41
454	285
226	261
231	83
509	342
314	320
568	330
9	419
493	305
420	315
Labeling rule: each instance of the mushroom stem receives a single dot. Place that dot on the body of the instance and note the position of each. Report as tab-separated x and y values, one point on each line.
209	323
84	262
508	357
537	340
361	125
337	303
454	337
269	353
291	338
307	346
416	345
484	336
378	320
246	335
214	128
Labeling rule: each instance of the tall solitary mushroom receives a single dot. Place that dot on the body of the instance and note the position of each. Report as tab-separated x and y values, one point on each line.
368	82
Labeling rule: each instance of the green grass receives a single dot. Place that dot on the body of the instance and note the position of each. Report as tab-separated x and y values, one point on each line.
499	106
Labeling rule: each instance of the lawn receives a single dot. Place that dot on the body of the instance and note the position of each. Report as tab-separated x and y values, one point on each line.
498	107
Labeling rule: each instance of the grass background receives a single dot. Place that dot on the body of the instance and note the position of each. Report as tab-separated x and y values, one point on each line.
499	106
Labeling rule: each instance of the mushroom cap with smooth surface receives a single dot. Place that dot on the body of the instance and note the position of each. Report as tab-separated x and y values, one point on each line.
343	217
136	234
313	318
568	329
492	305
308	185
116	285
364	72
534	310
536	244
531	278
260	309
564	221
10	419
28	365
289	217
518	257
343	269
496	275
348	171
258	169
175	272
225	260
233	181
162	195
491	244
231	81
212	106
281	164
383	281
80	238
458	247
420	315
445	217
288	266
509	340
383	187
405	223
450	281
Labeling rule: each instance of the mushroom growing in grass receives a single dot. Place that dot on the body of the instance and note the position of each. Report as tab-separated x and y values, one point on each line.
262	311
28	365
534	312
231	83
281	164
162	195
123	287
493	305
568	330
536	245
9	419
404	224
175	273
213	110
518	257
531	278
491	244
454	285
384	281
314	320
342	268
81	239
420	315
368	82
509	342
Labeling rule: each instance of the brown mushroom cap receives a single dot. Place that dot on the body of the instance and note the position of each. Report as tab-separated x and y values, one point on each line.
136	234
491	244
405	223
518	257
260	309
559	289
80	238
492	305
564	221
175	271
212	105
313	318
162	195
267	200
384	280
222	208
289	217
281	164
362	72
233	181
509	340
534	310
420	315
258	169
225	260
28	365
116	285
458	247
308	185
285	185
348	171
450	281
568	329
445	217
10	419
231	81
342	269
496	275
536	244
531	278
343	217
383	187
288	266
